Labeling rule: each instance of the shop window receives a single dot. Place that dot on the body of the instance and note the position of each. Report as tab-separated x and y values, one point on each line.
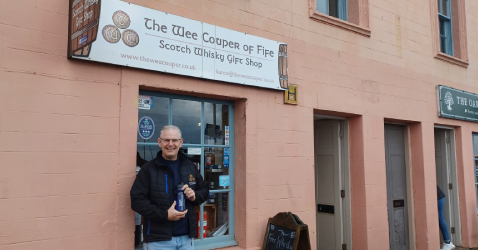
449	34
351	15
207	128
475	160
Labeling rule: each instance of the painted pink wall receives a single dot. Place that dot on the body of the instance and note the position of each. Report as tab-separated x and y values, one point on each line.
67	128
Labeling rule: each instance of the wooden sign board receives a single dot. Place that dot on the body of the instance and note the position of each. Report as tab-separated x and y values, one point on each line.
286	231
84	19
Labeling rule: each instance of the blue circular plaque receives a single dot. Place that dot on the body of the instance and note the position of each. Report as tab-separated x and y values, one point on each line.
146	127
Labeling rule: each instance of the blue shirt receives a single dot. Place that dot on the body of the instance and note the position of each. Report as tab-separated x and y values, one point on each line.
180	227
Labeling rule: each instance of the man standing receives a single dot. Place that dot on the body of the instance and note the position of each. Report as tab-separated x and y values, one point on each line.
153	195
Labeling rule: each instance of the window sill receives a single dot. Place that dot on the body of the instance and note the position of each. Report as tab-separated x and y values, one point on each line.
212	243
452	59
330	20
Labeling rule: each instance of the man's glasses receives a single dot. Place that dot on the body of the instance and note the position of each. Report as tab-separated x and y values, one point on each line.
167	141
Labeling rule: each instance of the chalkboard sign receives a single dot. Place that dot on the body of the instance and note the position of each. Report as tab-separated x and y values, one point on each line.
280	238
286	231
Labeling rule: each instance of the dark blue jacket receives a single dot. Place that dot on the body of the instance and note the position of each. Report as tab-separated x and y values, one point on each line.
150	197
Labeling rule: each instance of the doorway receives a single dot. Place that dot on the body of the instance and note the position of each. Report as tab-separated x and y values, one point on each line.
445	161
332	184
397	195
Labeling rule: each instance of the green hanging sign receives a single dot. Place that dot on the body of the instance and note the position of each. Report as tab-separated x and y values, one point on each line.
457	104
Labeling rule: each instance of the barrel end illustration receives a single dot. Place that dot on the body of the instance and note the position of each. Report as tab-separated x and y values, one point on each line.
283	67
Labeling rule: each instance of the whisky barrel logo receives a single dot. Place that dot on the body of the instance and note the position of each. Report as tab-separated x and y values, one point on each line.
112	33
83	26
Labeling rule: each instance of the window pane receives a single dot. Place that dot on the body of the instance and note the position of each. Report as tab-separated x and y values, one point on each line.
444	7
443	44
476	171
334	8
342	9
187	116
476	186
216	175
158	112
216	122
194	155
222	216
216	164
215	216
145	154
439	5
322	6
475	145
442	27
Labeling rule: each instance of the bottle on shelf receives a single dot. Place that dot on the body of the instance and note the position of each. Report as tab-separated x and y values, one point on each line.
212	196
209	157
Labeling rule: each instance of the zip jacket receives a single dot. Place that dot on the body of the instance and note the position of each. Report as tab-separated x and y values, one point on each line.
151	197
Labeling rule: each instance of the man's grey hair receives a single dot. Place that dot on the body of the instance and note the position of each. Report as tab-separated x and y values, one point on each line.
172	127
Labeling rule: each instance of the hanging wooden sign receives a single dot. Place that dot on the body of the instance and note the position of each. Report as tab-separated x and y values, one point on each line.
286	231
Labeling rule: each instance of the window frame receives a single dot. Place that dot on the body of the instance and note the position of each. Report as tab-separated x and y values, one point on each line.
357	22
457	16
213	242
447	22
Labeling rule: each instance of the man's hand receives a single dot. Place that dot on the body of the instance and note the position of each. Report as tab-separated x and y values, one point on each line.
190	194
174	215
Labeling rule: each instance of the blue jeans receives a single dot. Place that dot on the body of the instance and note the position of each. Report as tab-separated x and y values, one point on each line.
441	219
176	243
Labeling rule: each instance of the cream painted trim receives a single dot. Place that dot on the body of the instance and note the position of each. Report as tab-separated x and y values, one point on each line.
411	205
362	28
452	59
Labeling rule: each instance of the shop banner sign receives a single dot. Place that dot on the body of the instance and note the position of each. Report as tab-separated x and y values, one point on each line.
457	104
117	32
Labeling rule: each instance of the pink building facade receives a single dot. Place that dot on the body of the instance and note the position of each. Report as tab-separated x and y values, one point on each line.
360	153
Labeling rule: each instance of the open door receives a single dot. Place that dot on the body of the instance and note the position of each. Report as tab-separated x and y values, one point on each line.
332	185
447	181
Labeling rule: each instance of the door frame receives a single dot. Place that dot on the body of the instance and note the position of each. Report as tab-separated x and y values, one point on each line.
453	171
344	151
411	201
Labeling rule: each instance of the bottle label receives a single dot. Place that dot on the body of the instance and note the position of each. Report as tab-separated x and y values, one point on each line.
208	160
